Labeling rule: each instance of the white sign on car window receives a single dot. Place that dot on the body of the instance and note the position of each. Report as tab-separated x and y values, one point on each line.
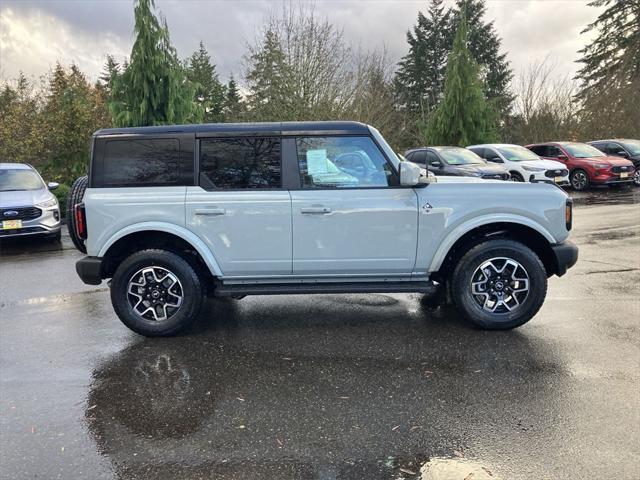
317	162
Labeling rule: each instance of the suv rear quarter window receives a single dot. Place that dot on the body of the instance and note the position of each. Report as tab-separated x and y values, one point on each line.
142	162
240	163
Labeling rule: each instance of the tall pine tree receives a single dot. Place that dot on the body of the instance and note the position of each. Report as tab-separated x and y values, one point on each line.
209	92
153	88
609	78
464	116
484	45
420	76
267	75
234	106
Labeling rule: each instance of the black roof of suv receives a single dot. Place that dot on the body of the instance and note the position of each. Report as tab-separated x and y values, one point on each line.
267	128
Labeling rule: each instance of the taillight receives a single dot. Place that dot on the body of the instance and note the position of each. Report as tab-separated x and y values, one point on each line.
568	214
81	221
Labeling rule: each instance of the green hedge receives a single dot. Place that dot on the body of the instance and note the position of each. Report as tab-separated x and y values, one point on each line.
62	193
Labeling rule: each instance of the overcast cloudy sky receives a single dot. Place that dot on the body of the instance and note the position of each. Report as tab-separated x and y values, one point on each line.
36	33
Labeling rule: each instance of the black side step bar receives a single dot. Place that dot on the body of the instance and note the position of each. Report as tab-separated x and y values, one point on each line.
298	288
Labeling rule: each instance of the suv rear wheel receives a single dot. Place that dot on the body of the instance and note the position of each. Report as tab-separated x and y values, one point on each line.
499	284
156	293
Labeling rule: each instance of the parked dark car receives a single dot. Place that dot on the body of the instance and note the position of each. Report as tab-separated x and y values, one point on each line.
622	147
587	165
456	161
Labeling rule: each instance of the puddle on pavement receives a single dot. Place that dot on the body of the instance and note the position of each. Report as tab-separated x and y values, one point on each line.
456	469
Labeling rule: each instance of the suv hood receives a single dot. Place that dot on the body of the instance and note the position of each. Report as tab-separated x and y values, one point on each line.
24	198
484	169
613	161
546	164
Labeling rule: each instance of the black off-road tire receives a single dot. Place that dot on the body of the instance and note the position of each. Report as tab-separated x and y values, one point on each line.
465	301
192	291
76	194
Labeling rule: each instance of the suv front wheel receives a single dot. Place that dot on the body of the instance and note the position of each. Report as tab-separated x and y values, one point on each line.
499	284
156	293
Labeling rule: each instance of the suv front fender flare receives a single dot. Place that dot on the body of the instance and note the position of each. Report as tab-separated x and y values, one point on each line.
176	230
454	235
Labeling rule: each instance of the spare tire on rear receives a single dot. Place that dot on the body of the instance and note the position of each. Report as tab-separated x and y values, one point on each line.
76	195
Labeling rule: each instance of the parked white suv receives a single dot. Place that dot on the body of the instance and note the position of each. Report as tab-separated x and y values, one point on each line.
523	164
323	207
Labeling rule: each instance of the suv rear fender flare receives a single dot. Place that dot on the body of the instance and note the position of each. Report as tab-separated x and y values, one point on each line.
454	235
176	230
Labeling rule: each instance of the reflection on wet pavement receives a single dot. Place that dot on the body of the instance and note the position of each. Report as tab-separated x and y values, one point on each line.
305	389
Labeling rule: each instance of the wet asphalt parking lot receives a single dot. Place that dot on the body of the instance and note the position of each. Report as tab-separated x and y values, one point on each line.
327	387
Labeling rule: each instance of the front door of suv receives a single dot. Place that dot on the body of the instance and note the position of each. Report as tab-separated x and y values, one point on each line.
239	208
350	217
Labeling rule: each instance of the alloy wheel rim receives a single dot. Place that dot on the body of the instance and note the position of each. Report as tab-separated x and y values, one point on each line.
155	293
636	176
500	285
579	180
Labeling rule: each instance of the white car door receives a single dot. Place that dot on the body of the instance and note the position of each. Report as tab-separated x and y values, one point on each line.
239	208
350	216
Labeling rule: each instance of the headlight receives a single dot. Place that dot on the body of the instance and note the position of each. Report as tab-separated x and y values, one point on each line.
533	169
48	203
601	165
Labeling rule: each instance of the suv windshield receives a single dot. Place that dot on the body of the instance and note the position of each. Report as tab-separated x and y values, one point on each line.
19	179
633	146
582	150
459	156
517	154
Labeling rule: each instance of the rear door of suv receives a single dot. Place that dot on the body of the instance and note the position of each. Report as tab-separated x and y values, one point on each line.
349	214
238	207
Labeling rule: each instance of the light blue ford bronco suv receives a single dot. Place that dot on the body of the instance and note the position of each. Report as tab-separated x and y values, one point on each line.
173	213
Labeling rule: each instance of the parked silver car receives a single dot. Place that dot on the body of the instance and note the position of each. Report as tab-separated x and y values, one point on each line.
27	206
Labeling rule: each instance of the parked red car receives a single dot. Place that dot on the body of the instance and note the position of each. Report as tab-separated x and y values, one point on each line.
587	165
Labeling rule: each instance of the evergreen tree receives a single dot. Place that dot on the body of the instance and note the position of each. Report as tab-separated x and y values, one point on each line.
609	93
420	76
464	116
616	49
153	88
70	115
209	92
234	107
484	45
267	78
110	72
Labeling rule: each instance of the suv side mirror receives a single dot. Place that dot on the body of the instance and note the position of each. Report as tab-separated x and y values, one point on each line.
52	185
495	159
562	156
409	174
621	153
435	164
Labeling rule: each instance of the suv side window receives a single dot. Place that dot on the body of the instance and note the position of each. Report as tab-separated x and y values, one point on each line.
553	152
540	150
419	157
143	162
432	157
240	163
342	162
614	149
479	151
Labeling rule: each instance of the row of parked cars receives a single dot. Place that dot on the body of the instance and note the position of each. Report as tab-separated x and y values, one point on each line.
579	165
